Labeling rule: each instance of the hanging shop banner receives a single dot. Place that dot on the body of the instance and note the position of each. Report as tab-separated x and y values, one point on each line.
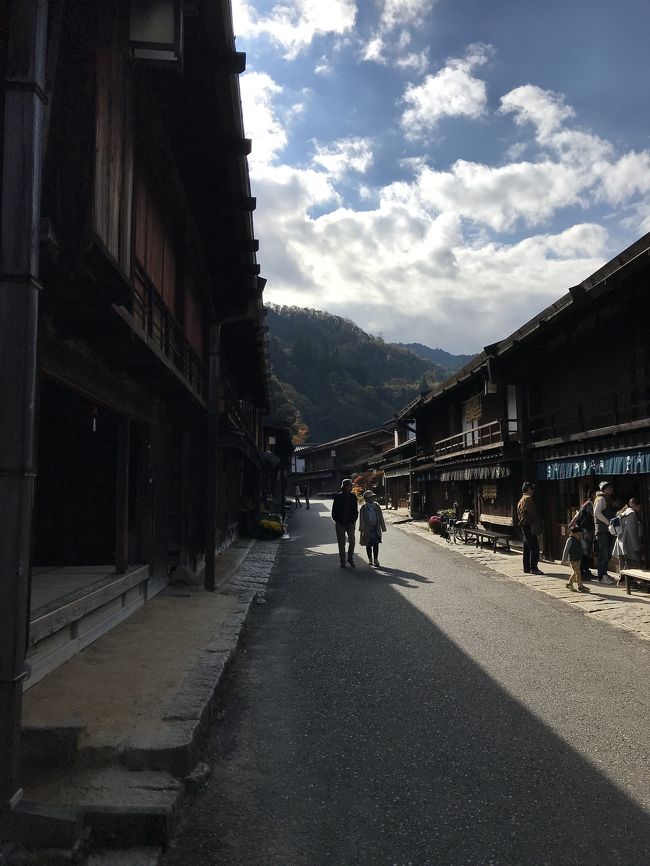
625	463
396	473
428	475
476	473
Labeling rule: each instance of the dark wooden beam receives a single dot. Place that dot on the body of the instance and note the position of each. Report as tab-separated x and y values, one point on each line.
122	497
20	205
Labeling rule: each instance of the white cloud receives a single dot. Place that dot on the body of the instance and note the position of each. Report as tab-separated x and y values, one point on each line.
339	157
586	239
451	92
361	263
500	197
591	159
543	108
516	151
295	24
438	237
626	176
398	13
375	51
384	47
415	62
323	67
267	132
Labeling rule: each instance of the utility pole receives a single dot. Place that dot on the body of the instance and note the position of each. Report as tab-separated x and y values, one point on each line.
19	287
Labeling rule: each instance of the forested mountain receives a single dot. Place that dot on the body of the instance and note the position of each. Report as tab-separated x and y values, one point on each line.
446	360
330	378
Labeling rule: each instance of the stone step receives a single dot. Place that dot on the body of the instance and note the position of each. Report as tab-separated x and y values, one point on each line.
126	857
49	857
38	825
119	808
50	746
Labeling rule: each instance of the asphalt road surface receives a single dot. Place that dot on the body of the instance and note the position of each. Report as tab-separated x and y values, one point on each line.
428	712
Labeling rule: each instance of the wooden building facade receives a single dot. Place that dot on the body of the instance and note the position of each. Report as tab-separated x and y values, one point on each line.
328	463
134	360
564	401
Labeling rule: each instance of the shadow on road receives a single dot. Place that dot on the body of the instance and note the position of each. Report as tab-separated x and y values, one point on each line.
356	732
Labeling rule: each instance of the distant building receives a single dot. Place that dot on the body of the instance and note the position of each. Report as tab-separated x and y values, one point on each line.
327	464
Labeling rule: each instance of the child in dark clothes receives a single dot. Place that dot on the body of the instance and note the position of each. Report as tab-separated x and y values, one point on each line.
573	556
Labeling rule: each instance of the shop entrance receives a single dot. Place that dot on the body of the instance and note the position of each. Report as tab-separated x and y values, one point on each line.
74	516
89	528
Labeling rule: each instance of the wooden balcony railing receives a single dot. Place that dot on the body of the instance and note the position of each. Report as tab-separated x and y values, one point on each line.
240	413
626	407
485	436
156	320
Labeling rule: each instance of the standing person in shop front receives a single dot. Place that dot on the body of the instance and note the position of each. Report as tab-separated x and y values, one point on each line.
584	518
629	541
345	510
531	527
604	510
371	526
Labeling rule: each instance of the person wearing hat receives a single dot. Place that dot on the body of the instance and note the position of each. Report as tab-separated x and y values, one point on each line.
603	512
371	526
345	510
573	556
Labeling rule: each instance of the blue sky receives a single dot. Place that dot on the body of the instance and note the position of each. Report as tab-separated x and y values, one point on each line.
441	170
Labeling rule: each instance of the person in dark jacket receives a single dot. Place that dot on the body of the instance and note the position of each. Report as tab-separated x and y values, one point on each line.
531	527
345	511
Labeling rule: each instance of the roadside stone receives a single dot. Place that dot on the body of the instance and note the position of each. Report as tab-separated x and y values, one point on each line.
197	777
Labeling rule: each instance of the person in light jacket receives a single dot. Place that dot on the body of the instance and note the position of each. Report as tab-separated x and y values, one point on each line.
604	510
371	526
628	543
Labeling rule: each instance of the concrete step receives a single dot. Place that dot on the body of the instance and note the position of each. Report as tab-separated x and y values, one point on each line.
119	808
48	857
126	857
49	746
38	825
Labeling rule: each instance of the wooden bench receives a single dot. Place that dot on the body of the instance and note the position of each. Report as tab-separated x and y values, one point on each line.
489	536
631	574
481	533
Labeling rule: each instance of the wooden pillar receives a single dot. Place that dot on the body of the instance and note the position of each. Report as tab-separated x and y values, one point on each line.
187	483
211	468
19	247
122	497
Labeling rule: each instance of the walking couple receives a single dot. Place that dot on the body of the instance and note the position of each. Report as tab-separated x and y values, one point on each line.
345	511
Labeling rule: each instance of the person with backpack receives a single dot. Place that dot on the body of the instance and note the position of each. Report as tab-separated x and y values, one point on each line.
584	519
604	511
628	540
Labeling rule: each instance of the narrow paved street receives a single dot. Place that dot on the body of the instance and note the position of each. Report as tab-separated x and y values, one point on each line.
429	712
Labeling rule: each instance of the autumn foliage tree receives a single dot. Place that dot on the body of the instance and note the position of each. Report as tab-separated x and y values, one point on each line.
366	481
